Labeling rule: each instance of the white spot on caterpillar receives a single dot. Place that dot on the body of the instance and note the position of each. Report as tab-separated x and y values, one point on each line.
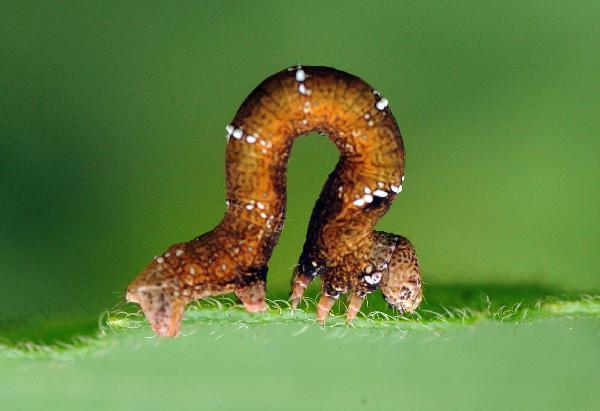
373	279
314	263
237	133
371	123
263	143
160	260
380	193
376	93
263	215
300	75
303	90
381	104
179	253
380	184
403	179
260	205
396	189
367	190
264	151
368	198
167	255
229	129
306	108
359	202
223	267
367	116
249	206
251	139
369	269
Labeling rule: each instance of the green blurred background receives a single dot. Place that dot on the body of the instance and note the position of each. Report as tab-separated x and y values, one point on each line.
112	135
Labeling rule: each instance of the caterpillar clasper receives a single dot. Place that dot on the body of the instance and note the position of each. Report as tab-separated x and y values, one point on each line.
341	248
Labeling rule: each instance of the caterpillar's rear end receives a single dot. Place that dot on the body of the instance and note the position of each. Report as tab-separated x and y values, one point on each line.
341	246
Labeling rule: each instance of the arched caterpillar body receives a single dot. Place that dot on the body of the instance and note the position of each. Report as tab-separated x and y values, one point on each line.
341	246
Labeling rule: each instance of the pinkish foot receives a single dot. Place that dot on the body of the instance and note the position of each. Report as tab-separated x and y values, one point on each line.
253	296
162	306
298	289
323	308
354	307
256	307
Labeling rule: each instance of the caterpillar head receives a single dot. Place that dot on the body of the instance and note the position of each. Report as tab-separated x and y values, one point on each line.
401	280
156	290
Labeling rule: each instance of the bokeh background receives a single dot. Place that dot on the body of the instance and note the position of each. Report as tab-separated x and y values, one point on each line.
112	135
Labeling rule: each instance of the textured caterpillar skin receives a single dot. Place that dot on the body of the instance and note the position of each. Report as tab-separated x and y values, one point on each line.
341	246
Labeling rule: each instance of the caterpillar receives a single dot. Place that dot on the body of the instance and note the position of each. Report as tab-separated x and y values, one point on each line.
341	248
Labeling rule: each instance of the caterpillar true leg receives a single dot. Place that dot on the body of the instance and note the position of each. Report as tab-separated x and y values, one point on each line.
341	246
334	283
325	304
300	283
354	305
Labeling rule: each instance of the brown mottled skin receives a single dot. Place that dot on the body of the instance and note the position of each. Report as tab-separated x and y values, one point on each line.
341	246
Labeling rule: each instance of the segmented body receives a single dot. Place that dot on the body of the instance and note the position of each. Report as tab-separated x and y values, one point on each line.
341	245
